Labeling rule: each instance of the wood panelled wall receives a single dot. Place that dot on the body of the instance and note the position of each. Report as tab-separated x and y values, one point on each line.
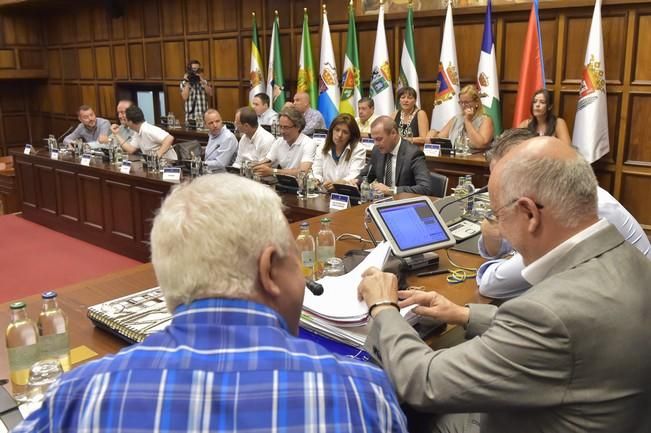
88	52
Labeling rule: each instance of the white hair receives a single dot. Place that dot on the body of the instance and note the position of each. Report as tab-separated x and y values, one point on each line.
208	236
566	188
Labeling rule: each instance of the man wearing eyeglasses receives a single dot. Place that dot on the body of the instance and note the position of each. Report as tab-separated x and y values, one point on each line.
501	278
568	354
292	152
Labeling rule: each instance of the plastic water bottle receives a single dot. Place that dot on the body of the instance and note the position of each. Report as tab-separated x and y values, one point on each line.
53	330
470	201
22	348
305	244
325	246
365	191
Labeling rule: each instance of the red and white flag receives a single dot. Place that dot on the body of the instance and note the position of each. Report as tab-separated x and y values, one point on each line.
590	135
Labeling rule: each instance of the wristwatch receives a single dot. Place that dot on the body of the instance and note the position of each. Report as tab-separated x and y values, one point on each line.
275	171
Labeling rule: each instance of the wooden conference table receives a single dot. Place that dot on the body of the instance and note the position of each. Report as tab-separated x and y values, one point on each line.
75	299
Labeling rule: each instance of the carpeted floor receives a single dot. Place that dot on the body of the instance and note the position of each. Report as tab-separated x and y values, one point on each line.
34	259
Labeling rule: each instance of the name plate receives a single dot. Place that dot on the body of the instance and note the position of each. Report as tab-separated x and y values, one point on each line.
125	168
339	202
368	143
54	154
431	149
319	138
85	159
28	149
172	174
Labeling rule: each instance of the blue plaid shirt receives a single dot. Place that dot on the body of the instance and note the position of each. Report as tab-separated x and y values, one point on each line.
221	365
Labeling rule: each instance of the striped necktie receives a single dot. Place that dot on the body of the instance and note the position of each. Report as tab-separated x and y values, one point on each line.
388	170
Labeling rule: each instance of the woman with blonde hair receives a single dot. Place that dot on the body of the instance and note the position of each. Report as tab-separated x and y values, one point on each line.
471	123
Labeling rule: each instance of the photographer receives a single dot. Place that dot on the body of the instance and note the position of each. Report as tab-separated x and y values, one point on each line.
194	89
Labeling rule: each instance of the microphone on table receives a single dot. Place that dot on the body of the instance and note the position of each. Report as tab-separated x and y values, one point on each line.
478	191
65	133
314	287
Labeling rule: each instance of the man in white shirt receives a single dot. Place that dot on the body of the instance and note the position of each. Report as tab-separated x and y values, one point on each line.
255	141
293	152
222	144
366	111
266	115
502	278
147	137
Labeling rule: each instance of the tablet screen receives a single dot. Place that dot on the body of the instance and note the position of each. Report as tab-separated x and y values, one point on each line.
413	225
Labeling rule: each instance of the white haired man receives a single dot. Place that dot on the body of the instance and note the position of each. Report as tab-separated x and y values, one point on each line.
229	360
568	354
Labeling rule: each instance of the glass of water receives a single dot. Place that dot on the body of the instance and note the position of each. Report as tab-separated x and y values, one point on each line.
41	376
334	267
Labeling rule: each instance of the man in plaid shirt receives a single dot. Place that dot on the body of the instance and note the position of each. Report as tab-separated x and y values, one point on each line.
195	91
230	360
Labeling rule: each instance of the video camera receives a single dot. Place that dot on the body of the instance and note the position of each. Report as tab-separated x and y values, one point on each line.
193	76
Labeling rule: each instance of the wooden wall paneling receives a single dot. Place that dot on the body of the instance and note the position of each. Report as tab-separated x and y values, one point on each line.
68	28
174	59
100	23
31	58
83	24
103	63
468	40
642	59
246	8
313	13
284	14
428	51
151	18
54	63
197	50
225	64
92	203
134	20
16	131
337	11
11	99
121	61
228	101
576	39
7	32
107	102
507	99
54	103
8	59
638	146
635	188
26	185
173	17
174	101
196	16
86	67
70	63
147	201
224	15
290	57
338	38
605	178
117	28
245	55
67	195
72	99
153	62
119	207
513	42
46	194
89	97
136	61
52	34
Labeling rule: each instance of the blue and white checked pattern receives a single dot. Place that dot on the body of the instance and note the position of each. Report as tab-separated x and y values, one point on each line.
221	365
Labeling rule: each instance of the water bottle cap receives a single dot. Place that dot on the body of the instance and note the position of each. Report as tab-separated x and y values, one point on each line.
49	295
325	220
305	225
17	305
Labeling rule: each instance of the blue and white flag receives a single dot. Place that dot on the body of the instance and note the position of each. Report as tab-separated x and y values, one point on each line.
487	79
328	78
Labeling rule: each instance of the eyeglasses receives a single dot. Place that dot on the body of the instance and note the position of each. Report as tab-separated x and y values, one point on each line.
283	127
494	215
466	102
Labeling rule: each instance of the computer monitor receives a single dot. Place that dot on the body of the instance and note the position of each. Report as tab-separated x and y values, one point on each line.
412	226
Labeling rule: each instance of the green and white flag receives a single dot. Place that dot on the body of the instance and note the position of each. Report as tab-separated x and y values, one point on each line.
350	83
381	85
408	74
306	78
275	80
256	74
487	78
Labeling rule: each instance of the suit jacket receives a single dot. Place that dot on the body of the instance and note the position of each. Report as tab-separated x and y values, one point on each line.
412	174
570	355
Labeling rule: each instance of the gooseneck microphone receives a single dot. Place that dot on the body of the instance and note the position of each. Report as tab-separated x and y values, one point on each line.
314	287
65	133
478	191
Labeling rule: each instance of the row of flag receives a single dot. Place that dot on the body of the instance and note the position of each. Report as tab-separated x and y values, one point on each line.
591	123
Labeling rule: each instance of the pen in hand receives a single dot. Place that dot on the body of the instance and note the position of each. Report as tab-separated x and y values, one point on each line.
434	272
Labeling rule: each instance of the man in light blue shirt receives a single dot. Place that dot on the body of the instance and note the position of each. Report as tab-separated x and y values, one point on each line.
501	278
222	144
90	129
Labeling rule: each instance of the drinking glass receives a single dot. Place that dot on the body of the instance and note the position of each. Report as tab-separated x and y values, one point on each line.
41	376
334	267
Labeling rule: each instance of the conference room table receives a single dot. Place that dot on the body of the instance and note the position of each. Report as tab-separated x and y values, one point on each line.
75	299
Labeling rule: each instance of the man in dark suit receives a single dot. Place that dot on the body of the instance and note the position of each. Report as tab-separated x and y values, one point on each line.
396	164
